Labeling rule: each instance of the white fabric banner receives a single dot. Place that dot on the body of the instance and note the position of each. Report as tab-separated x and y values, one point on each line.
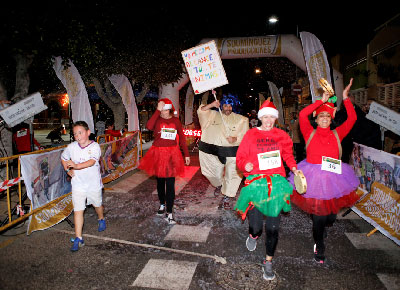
277	101
72	81
316	62
189	105
124	88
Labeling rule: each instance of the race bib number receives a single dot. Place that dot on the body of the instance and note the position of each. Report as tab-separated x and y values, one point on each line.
22	133
168	133
331	165
269	160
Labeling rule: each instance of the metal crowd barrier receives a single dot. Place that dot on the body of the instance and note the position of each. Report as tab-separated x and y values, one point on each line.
7	183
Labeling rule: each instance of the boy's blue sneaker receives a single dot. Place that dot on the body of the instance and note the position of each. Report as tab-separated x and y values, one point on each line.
77	244
102	225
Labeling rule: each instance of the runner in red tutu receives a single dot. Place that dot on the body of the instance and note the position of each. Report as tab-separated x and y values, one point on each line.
164	159
327	191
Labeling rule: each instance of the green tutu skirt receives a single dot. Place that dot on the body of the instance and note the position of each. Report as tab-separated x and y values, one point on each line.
270	194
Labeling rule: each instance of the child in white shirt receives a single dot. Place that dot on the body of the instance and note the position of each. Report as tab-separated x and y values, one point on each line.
81	161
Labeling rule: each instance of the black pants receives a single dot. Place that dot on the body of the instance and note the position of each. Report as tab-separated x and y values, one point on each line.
256	221
166	192
319	224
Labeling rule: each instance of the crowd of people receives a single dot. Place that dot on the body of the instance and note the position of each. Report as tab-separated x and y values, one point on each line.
235	151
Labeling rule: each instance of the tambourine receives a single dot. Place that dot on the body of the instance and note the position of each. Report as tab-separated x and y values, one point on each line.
326	86
300	182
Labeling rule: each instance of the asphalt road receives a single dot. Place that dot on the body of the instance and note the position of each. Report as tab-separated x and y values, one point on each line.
139	250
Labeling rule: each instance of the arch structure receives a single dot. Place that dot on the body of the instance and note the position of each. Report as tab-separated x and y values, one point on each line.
288	46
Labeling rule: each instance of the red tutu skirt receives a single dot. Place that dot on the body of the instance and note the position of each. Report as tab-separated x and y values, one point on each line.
324	207
163	162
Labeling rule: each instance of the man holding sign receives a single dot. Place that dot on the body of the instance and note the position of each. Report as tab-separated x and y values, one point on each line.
220	139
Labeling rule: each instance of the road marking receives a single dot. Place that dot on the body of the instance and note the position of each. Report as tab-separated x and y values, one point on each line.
129	183
180	182
375	242
188	233
166	274
391	281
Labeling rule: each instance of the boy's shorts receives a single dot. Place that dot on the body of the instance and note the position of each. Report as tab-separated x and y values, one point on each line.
81	198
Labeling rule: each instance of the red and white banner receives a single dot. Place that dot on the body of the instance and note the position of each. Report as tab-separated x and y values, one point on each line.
316	62
124	88
78	96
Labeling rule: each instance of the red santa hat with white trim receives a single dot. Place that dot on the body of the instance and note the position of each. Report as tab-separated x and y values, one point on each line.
268	108
168	105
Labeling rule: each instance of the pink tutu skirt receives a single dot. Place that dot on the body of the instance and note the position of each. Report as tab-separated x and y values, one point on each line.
163	162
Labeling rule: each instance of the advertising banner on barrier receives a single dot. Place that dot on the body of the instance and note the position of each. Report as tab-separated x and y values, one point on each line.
379	175
119	157
204	67
48	185
45	180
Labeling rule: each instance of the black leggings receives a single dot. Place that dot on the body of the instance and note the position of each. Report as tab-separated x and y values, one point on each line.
319	224
166	192
256	220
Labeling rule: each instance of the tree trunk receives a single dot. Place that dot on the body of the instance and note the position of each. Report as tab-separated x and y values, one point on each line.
23	63
112	101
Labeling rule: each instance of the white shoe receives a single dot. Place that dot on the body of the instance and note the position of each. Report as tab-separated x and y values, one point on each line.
170	219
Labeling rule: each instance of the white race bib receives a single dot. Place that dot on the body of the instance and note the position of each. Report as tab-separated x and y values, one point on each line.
331	164
269	160
22	133
168	133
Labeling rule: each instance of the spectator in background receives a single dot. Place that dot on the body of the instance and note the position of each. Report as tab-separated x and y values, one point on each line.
22	139
298	142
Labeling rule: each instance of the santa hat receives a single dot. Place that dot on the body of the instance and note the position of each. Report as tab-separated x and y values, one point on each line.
326	107
167	104
267	108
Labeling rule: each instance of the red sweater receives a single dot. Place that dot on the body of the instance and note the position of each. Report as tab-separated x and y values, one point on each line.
257	141
324	142
156	123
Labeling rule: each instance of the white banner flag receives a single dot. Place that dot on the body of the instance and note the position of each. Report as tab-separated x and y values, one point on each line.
72	81
189	105
316	62
124	88
277	101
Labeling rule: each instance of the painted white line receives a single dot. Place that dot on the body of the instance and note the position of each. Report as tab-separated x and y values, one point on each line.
391	281
188	233
180	182
375	242
166	274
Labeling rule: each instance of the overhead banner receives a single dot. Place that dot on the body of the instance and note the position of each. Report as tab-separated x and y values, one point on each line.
379	175
124	89
204	67
189	105
316	62
78	96
255	46
45	181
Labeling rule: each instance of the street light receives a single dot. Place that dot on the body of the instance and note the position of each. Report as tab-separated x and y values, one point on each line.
273	19
273	23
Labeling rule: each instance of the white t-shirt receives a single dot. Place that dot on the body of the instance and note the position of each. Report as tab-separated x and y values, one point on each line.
87	179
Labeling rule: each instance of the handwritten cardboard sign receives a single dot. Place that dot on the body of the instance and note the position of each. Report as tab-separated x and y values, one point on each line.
204	66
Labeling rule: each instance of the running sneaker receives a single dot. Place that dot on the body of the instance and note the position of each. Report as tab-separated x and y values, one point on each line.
170	219
217	191
268	274
77	244
161	210
251	243
102	225
318	257
225	203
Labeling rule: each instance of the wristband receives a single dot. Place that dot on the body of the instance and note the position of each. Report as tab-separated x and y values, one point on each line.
67	170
